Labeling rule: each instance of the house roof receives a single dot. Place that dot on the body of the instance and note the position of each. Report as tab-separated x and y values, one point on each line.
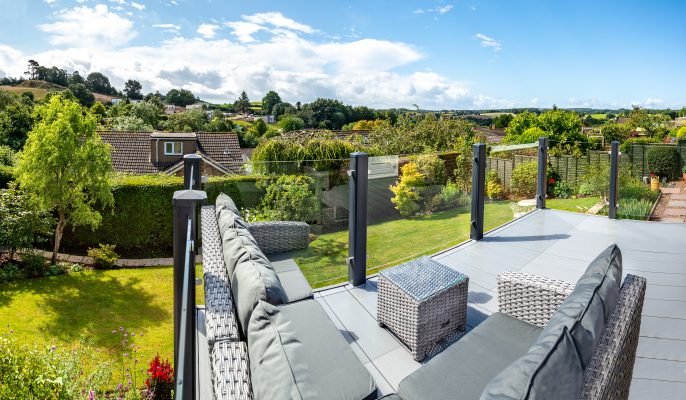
131	150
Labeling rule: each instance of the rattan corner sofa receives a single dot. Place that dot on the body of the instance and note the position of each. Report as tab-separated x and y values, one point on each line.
550	340
268	338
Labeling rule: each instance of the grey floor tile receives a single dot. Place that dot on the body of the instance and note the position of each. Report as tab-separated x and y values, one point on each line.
665	267
367	295
664	308
382	386
476	314
396	365
666	292
665	328
657	257
662	349
648	389
475	274
660	278
348	337
552	272
483	297
334	290
373	339
648	368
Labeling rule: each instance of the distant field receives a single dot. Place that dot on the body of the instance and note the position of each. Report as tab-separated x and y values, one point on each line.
40	89
38	93
599	116
494	114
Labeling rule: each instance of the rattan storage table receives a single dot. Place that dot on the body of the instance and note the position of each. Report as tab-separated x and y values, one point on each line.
421	302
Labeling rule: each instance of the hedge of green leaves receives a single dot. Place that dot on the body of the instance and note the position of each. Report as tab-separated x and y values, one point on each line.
663	161
141	222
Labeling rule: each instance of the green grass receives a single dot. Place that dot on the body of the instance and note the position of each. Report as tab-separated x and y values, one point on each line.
393	242
85	307
581	204
599	116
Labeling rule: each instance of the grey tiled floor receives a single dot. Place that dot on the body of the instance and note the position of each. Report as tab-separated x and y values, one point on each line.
557	245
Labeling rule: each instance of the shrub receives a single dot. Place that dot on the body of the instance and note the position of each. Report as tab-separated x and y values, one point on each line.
34	264
663	161
405	190
21	224
287	198
681	133
452	196
596	180
104	256
562	190
523	182
626	146
47	373
160	382
11	272
494	190
7	156
432	167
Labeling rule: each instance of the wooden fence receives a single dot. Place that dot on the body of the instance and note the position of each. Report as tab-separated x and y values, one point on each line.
571	169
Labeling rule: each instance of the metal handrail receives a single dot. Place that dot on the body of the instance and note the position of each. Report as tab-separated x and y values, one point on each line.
181	360
191	180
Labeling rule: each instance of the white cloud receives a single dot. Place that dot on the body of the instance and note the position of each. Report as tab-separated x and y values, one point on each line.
487	41
438	10
49	1
418	11
208	31
138	6
288	57
87	27
444	9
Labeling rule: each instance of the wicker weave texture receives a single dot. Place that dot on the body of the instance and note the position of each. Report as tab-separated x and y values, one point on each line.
230	371
608	375
280	236
530	298
421	324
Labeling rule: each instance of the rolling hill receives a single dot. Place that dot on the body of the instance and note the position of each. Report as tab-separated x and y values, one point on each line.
41	88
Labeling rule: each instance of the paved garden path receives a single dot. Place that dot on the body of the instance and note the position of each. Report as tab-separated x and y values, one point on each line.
675	209
122	262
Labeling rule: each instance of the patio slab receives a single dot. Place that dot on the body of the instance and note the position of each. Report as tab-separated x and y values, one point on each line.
558	245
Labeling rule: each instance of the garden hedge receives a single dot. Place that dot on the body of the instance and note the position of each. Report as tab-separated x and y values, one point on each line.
663	161
6	176
140	224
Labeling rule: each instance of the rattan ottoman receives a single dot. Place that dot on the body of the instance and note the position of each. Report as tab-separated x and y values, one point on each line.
421	302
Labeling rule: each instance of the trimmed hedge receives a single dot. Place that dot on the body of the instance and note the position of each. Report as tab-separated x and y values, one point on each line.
663	161
6	176
141	223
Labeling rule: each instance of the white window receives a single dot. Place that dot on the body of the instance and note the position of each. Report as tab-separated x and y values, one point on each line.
173	148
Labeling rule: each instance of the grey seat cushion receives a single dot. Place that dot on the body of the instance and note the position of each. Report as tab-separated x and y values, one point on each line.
296	352
568	341
292	279
224	202
465	368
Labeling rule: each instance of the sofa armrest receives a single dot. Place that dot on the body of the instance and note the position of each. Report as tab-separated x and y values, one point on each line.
531	298
280	236
231	371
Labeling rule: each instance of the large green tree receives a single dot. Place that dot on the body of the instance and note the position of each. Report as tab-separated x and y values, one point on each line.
66	167
99	83
16	119
269	101
82	94
180	97
133	89
242	105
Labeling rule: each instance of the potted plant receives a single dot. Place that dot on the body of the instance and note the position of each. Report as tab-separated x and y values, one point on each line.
654	182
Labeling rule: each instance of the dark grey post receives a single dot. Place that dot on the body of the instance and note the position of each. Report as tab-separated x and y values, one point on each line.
614	181
542	181
357	220
478	188
185	204
191	171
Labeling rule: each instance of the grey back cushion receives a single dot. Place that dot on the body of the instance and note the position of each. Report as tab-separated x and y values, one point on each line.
251	274
296	352
568	341
224	202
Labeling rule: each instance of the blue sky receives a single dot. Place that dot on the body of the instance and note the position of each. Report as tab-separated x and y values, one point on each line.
436	54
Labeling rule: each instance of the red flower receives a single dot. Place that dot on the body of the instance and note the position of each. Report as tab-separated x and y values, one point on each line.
552	180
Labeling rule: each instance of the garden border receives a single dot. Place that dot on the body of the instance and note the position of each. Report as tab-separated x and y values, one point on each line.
122	262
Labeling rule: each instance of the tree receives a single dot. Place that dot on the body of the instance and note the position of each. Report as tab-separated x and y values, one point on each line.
16	119
76	78
327	113
218	123
269	101
132	90
82	94
53	75
32	70
98	110
258	128
613	131
180	97
189	121
242	105
129	123
291	123
22	224
148	111
99	83
66	167
282	109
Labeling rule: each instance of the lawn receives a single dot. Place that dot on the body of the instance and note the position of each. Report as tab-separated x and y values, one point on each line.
393	242
581	204
85	307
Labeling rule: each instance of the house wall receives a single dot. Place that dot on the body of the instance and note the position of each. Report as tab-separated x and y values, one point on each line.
189	147
205	170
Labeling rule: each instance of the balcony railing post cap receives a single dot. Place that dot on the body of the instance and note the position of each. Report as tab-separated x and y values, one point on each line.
192	157
183	197
359	154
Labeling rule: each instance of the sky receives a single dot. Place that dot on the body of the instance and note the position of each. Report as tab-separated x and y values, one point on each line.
431	54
